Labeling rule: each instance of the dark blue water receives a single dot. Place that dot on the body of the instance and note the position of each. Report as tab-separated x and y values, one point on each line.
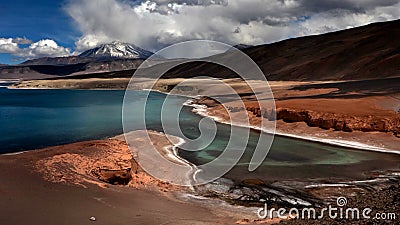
33	119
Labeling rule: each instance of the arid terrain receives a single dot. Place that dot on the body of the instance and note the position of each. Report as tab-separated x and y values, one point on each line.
340	88
71	183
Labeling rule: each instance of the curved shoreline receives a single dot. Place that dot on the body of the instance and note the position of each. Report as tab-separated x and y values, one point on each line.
201	110
164	144
176	156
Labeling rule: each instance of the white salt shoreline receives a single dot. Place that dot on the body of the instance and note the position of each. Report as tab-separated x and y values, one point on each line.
174	154
15	153
170	151
202	111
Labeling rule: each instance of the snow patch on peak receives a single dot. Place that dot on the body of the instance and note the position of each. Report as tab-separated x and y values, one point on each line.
117	49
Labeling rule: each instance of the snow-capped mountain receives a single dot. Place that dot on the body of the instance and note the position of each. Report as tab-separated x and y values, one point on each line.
117	49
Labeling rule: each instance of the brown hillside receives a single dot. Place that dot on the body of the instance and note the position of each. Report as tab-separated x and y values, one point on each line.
366	52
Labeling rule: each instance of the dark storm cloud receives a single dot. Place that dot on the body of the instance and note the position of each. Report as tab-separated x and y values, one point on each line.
313	6
22	41
155	24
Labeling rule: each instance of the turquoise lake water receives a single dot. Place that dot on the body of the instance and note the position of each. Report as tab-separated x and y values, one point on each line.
32	119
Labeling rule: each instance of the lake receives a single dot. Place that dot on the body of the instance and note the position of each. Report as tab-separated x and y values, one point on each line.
33	119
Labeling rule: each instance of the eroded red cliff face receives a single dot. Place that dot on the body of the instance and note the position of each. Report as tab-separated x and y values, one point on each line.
389	123
335	121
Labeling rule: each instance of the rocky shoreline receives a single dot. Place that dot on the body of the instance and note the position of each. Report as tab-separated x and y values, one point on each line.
384	201
337	122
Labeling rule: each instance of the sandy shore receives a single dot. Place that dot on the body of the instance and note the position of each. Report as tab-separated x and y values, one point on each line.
69	184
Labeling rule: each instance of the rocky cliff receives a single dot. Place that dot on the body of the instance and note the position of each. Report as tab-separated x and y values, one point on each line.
335	121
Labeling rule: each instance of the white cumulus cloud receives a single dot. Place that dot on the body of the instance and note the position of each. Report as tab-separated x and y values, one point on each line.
8	46
42	48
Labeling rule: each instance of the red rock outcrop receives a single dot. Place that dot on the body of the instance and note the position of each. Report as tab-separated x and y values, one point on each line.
336	121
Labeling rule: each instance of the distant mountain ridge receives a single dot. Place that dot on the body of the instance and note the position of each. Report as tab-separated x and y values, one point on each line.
366	52
66	60
242	46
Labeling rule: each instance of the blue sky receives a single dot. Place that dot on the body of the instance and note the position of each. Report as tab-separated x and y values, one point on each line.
49	28
43	19
35	20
